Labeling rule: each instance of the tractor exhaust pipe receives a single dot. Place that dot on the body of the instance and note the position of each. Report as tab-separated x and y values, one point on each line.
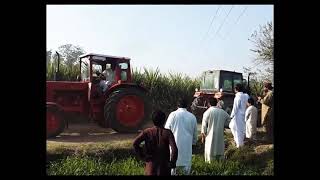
58	61
57	73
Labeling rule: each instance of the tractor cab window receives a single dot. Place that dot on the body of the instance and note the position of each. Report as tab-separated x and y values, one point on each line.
123	66
226	82
229	80
85	69
123	74
237	79
96	68
209	81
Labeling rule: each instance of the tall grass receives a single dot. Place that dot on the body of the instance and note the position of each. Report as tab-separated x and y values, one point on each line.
75	165
165	89
111	160
68	73
220	168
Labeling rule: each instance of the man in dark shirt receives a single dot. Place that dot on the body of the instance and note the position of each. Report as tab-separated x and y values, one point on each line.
156	152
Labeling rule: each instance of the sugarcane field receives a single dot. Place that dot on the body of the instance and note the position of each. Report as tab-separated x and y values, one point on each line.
160	90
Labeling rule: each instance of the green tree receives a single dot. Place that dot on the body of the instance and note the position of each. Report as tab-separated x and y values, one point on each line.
69	66
49	54
70	54
263	42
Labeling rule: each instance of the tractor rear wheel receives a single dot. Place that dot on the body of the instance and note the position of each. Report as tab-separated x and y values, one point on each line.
55	121
126	109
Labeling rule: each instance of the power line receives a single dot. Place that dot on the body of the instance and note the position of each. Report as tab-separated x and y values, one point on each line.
241	14
211	23
221	24
223	21
244	10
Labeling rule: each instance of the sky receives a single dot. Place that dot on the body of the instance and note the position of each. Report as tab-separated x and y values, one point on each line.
187	39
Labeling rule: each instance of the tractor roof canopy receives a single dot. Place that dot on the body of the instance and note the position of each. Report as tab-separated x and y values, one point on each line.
220	79
213	71
104	58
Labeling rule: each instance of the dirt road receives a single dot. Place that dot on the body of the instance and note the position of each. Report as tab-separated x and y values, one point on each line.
91	132
88	133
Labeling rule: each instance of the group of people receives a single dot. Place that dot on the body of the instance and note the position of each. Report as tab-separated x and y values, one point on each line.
168	145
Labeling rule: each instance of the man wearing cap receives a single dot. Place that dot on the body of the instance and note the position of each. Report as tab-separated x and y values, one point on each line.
267	102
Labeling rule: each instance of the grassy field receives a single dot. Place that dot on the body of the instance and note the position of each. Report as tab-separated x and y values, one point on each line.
118	158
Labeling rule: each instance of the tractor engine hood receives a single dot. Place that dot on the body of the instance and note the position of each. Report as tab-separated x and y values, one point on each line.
64	86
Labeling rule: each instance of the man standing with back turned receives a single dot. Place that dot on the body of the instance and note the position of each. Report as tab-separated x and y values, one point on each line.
212	131
183	125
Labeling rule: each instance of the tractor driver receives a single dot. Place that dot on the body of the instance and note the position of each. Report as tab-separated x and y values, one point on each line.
109	73
107	77
101	80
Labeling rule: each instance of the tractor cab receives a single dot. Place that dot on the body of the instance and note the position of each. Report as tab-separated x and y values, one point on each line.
92	65
103	72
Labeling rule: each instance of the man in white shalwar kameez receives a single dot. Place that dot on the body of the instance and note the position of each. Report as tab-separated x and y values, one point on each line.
183	125
251	118
212	130
238	124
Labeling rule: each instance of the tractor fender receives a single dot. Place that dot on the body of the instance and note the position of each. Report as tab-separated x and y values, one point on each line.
125	85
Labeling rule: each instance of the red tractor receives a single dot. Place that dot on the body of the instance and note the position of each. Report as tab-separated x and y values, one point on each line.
121	105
